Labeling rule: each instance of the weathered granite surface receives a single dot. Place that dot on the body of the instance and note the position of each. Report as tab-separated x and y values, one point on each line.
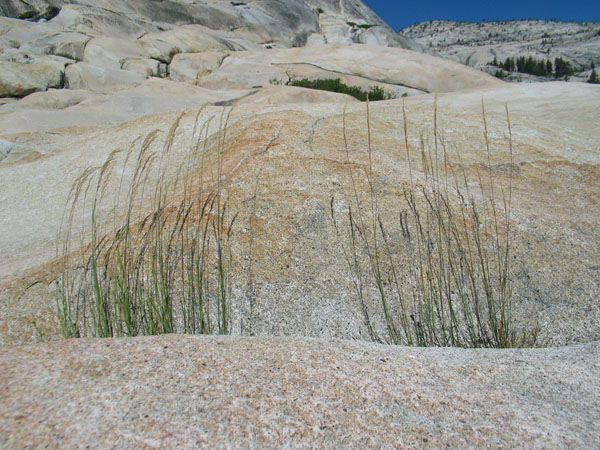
396	70
219	392
285	159
84	79
477	44
141	37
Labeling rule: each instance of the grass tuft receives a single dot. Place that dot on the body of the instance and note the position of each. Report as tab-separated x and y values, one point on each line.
364	26
441	274
443	277
375	93
160	271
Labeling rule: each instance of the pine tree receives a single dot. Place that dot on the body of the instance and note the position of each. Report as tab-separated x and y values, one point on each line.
562	68
594	78
530	66
509	65
542	68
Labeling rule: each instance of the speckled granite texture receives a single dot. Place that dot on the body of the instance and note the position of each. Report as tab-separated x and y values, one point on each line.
220	392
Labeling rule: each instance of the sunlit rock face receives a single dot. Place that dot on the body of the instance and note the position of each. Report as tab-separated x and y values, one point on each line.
479	44
172	97
143	36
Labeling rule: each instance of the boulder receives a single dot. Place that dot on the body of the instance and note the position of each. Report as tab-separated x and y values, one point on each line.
15	28
194	39
113	52
30	9
146	67
52	99
72	109
21	79
14	55
5	148
316	40
94	21
18	33
68	44
159	50
100	79
189	67
391	66
275	96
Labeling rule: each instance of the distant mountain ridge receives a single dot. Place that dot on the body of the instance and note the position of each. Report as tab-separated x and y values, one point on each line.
477	44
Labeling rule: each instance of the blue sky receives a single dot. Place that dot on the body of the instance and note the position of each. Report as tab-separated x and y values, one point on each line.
399	14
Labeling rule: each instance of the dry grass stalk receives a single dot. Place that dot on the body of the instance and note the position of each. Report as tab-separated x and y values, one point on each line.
444	278
162	271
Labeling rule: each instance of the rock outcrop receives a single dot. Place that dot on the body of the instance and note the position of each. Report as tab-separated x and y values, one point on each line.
142	37
396	70
284	163
30	10
202	392
477	44
21	79
5	148
105	101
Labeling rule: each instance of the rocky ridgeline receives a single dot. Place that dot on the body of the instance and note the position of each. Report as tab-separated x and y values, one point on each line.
477	44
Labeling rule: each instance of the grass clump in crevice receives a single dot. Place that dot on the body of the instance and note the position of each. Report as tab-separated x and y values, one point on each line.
162	269
363	26
373	94
443	276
